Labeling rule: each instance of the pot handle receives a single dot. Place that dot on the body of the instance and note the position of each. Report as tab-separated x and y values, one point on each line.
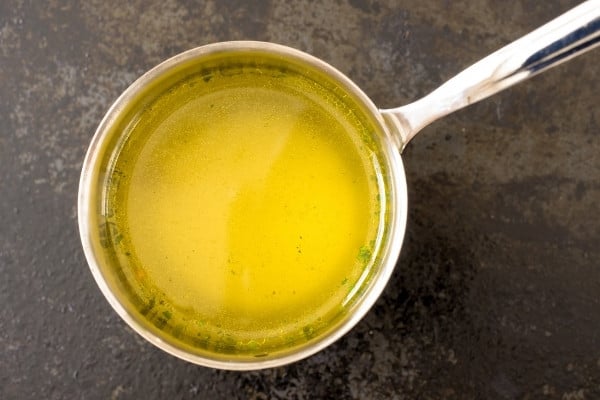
567	36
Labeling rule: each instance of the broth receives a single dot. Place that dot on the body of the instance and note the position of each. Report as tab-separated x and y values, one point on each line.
245	207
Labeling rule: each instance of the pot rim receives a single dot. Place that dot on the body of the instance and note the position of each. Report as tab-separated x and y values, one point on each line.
398	206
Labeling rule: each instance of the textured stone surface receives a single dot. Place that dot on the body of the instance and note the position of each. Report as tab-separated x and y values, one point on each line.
496	294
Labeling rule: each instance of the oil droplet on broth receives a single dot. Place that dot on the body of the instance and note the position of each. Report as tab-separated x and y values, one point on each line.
246	207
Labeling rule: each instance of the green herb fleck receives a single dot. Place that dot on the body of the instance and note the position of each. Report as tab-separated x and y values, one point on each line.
109	234
364	254
118	238
148	306
202	341
309	331
226	344
160	322
178	330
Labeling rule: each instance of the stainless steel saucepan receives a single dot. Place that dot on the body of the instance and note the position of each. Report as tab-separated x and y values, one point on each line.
569	35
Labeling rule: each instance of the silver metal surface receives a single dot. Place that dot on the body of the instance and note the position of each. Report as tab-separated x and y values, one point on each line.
569	35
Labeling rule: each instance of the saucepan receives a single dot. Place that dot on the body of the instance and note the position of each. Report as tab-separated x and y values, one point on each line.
243	204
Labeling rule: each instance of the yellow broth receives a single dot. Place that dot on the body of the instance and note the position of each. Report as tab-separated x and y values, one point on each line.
245	208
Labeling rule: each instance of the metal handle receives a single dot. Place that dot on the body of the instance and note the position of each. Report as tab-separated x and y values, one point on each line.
569	35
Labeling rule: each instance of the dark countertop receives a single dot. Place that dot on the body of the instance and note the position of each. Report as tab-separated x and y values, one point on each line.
496	294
